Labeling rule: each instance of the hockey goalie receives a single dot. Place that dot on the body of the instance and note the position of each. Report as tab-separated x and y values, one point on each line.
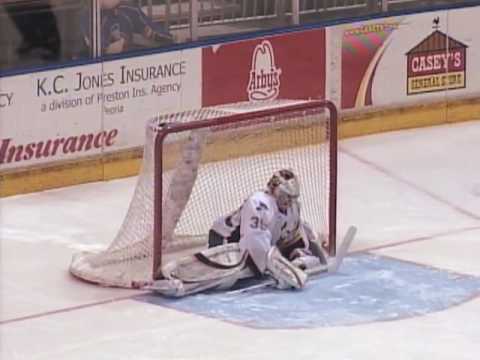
264	238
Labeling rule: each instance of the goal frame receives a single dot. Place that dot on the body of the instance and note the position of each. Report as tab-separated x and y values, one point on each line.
170	128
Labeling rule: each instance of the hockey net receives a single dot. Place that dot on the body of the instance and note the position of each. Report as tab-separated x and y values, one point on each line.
201	164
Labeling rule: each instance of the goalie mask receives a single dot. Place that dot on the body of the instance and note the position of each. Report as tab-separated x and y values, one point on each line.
284	186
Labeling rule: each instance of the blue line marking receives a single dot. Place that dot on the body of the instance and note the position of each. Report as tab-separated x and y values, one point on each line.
368	288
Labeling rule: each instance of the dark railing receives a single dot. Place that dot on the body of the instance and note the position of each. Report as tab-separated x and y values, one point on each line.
43	32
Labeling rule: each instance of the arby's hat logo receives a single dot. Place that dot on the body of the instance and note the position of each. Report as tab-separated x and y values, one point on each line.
264	82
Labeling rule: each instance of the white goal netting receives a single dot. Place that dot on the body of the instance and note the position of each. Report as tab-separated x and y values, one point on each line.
208	167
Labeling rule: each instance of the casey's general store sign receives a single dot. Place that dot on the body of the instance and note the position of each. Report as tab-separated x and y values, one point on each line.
437	63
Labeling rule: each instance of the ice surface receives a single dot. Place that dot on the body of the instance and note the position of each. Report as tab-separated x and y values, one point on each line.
412	194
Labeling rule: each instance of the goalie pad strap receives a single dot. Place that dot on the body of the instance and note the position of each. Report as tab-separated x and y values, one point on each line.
207	261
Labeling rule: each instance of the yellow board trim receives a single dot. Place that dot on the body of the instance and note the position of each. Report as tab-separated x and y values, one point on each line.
127	163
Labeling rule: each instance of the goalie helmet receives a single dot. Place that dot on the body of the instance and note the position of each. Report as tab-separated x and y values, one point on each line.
284	186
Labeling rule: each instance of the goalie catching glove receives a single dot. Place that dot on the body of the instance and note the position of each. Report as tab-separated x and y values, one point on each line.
303	259
302	249
283	271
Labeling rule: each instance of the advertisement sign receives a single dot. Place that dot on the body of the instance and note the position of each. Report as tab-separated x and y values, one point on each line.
288	66
82	111
437	63
412	59
86	110
363	46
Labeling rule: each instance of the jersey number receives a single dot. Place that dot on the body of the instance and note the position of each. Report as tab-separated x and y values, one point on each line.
256	223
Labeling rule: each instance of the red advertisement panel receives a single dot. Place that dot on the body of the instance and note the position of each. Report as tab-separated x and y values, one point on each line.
288	66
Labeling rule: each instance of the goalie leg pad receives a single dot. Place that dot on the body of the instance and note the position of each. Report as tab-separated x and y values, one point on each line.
215	268
284	272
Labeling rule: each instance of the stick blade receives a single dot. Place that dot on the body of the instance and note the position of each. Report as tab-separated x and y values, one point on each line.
343	250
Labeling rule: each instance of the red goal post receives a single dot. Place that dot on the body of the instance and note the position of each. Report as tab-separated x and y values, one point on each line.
203	163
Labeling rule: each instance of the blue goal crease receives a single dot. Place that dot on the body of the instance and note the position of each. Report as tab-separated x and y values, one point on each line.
367	288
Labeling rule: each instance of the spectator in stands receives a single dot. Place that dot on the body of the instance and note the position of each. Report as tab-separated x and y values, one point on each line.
39	31
126	27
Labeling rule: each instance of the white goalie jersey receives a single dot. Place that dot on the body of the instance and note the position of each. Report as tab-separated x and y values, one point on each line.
261	225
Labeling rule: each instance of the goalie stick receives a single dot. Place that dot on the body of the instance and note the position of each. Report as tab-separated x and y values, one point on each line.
330	268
